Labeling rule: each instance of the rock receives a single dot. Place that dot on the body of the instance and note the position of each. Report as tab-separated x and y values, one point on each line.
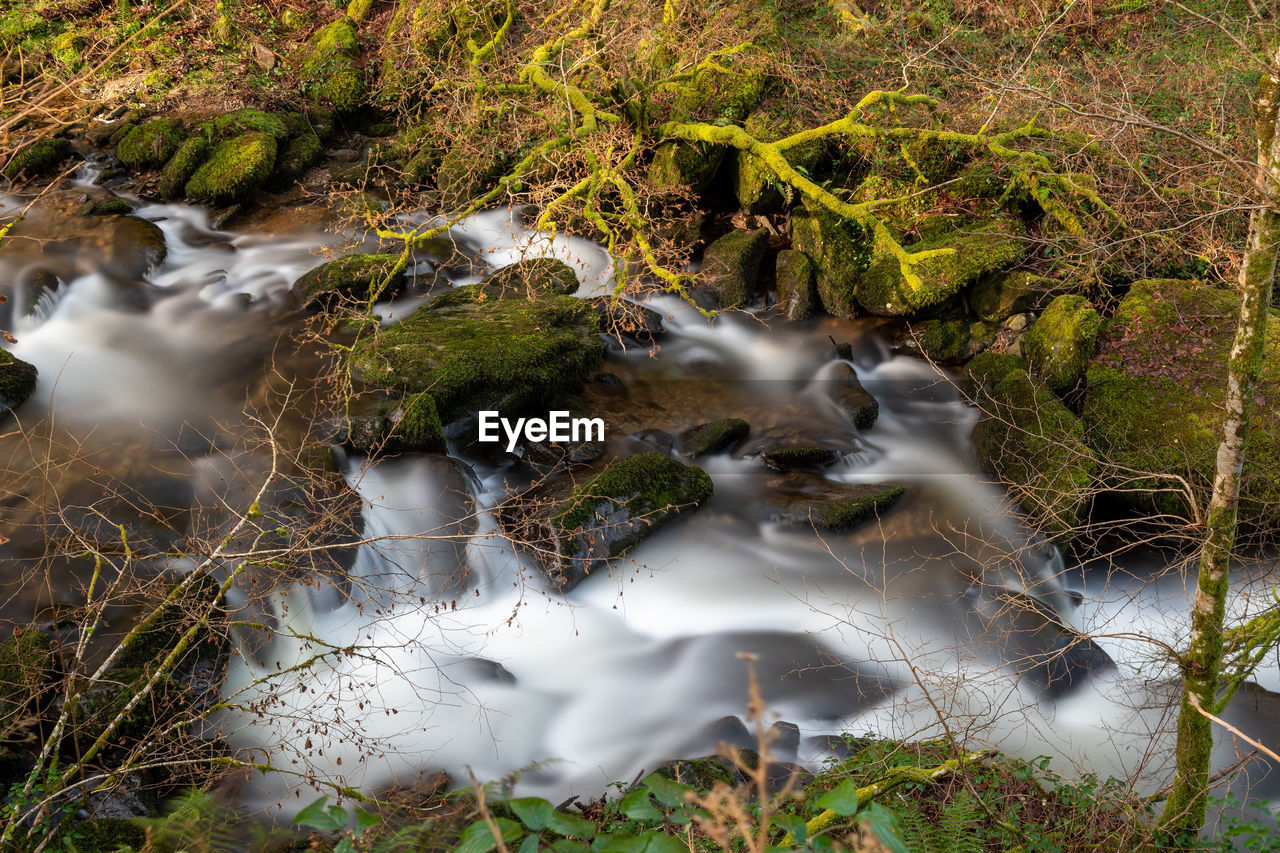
619	318
1028	439
711	438
353	278
1154	395
236	168
263	56
38	158
136	246
239	122
1062	342
328	64
678	164
754	183
106	207
532	276
999	296
701	774
466	173
150	145
182	165
977	249
390	425
824	505
618	508
789	458
840	252
797	292
730	266
848	393
474	351
985	370
299	154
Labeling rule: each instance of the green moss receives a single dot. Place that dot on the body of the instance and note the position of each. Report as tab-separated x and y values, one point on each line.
236	168
943	340
1062	341
244	121
979	248
107	207
714	437
619	507
844	514
39	158
680	164
472	351
799	457
67	48
532	276
150	145
701	774
344	89
985	370
299	154
1032	442
840	252
328	67
466	173
754	184
101	835
351	278
794	278
731	264
182	165
903	202
26	664
17	380
358	10
396	426
996	297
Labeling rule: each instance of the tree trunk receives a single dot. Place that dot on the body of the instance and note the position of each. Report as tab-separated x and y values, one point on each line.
1184	812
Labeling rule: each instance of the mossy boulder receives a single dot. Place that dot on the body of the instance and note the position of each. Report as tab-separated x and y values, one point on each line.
236	168
17	381
678	164
834	507
975	249
712	438
472	350
731	264
840	251
999	296
985	370
353	278
754	183
99	835
38	158
298	155
1154	394
242	121
941	340
150	145
328	66
392	425
797	291
182	165
1031	441
1062	342
619	507
532	276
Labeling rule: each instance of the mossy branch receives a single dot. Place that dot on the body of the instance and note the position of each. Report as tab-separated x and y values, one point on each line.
1246	646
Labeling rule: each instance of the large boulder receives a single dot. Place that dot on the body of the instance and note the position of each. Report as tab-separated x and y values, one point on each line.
731	264
797	293
236	168
473	349
150	145
1062	341
329	67
615	510
975	249
1154	394
1032	442
840	252
17	381
355	277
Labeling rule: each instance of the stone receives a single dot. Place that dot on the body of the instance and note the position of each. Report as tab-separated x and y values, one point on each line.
731	264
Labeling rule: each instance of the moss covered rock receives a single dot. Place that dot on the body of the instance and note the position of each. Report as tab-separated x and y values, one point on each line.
236	168
835	507
1062	341
17	381
182	165
754	184
999	296
298	155
1153	401
794	278
472	350
466	173
1032	442
941	340
39	158
150	145
619	507
976	249
985	370
395	425
242	121
679	164
731	264
328	66
712	438
354	277
840	251
532	276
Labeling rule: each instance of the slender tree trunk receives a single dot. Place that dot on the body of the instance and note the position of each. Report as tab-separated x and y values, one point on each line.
1184	812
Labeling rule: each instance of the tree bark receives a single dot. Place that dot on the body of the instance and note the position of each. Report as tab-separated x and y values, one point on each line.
1184	812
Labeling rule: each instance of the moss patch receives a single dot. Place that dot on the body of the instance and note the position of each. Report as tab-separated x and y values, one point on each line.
532	276
840	252
985	370
1062	341
150	145
354	277
39	158
328	67
1031	441
236	168
17	380
298	155
182	165
681	164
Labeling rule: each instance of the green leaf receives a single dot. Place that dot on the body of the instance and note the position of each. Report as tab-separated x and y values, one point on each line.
365	821
564	845
883	824
478	838
317	816
650	841
793	825
346	845
567	824
638	805
842	799
529	845
534	812
669	793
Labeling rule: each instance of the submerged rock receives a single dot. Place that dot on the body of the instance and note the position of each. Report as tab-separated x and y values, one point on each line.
17	381
712	438
818	503
788	458
1028	439
353	278
618	508
731	264
1062	342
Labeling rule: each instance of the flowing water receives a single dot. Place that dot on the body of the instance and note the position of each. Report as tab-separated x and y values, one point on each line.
461	657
